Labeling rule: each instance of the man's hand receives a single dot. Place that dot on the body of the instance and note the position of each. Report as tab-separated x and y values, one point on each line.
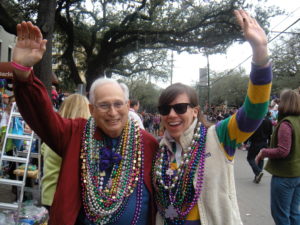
29	48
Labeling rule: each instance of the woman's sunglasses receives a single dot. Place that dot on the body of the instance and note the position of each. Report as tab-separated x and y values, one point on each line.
180	108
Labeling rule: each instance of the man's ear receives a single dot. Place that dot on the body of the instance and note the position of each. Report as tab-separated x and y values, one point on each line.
92	108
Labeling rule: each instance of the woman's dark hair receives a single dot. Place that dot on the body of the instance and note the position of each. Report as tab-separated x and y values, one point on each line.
170	93
133	102
289	104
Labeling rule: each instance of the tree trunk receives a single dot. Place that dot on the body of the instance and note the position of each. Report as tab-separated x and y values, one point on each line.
93	72
45	21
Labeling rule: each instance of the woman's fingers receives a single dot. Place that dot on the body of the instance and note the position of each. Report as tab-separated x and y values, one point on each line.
247	20
244	19
238	17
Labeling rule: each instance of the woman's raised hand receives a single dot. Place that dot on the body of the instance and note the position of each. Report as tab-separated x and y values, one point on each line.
255	35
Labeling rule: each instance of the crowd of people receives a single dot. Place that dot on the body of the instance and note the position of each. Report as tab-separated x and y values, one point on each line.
112	171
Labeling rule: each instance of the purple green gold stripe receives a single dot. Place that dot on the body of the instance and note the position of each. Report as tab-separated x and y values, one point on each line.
255	111
258	93
246	123
235	133
239	127
261	76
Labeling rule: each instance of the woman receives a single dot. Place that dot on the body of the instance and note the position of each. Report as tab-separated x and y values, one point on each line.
193	169
284	161
74	106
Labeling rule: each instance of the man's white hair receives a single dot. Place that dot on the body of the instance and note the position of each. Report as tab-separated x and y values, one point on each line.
101	81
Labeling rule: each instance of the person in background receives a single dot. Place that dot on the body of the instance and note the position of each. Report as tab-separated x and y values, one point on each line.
105	175
7	104
284	161
133	112
74	106
61	97
5	101
193	174
156	124
54	96
260	139
274	111
16	127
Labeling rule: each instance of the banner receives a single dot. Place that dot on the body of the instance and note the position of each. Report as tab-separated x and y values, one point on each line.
6	70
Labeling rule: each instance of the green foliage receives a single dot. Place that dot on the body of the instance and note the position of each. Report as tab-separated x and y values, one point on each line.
21	10
146	92
286	62
65	81
144	63
230	89
112	34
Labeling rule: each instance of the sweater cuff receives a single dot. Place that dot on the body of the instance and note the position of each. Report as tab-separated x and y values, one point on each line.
29	79
261	75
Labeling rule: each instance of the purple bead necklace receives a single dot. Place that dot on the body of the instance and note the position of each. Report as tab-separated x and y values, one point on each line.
174	190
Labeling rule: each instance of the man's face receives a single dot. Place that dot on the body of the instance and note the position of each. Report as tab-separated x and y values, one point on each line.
136	107
110	110
5	100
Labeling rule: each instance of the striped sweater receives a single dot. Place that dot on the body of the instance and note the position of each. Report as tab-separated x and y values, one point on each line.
240	126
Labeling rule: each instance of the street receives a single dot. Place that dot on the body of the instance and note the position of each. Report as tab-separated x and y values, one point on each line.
253	199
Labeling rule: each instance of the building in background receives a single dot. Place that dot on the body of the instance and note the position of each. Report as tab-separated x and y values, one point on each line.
7	42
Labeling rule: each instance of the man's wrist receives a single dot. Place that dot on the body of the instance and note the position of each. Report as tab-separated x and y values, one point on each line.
20	67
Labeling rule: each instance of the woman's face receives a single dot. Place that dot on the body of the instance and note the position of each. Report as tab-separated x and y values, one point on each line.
176	123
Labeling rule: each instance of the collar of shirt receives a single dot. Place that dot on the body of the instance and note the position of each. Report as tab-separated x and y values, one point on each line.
184	142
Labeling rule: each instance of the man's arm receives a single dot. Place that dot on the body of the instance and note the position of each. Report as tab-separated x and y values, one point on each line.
31	95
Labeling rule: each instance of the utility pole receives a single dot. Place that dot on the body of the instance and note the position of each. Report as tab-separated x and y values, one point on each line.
172	65
208	80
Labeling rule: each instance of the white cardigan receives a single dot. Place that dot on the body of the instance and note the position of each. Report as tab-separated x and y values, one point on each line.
218	202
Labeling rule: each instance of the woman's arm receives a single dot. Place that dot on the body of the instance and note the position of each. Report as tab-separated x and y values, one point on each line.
284	144
239	127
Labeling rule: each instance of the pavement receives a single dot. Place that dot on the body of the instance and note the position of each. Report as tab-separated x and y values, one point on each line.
253	199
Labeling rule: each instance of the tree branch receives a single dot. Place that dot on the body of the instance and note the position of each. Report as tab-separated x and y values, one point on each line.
6	21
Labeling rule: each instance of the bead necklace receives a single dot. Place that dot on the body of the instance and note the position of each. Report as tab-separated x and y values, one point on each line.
174	190
105	203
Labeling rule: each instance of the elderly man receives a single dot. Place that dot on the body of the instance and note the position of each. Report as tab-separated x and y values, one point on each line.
106	167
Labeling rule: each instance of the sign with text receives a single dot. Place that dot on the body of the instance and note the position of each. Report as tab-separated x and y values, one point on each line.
6	70
203	77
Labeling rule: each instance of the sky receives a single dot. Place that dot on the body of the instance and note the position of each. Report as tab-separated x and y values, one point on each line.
186	66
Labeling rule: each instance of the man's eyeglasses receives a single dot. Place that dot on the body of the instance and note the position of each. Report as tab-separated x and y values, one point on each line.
180	108
105	106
